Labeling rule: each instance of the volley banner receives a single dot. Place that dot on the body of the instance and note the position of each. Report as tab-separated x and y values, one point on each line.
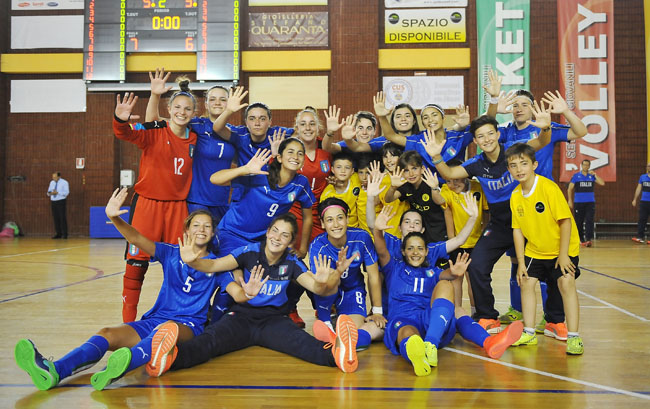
503	44
586	45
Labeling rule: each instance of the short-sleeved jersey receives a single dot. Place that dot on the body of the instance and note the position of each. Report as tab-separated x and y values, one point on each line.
185	292
421	199
252	215
399	207
240	138
437	250
375	144
455	202
350	196
359	244
544	156
644	181
455	147
274	291
212	155
166	162
409	288
583	187
496	181
537	215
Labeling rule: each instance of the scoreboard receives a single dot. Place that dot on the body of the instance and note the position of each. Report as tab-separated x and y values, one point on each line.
208	28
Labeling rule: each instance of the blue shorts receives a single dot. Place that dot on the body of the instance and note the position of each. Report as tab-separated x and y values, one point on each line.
146	326
216	211
226	241
352	301
419	320
511	252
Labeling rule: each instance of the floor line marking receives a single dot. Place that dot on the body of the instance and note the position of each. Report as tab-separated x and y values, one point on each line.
45	251
615	278
624	311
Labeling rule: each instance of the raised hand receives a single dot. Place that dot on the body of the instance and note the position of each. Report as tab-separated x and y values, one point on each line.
255	281
158	80
124	107
115	202
493	87
343	262
374	180
542	116
472	205
276	139
556	103
381	222
397	177
347	131
257	162
430	178
460	266
379	102
186	248
323	269
431	146
462	117
235	96
504	106
332	119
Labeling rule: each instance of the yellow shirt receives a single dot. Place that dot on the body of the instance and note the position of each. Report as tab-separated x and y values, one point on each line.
537	215
361	211
399	207
350	196
454	200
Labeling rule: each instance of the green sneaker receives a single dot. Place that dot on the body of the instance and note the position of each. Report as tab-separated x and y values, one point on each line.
511	316
415	350
574	346
431	353
526	339
539	328
41	370
115	367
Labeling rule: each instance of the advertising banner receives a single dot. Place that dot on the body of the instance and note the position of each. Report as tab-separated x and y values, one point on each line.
446	91
292	29
424	3
47	5
425	26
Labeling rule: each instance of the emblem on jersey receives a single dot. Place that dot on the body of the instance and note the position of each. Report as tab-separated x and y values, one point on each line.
532	135
539	206
356	255
133	250
487	232
398	324
356	191
520	211
425	197
192	150
324	166
451	151
282	270
292	196
430	273
477	196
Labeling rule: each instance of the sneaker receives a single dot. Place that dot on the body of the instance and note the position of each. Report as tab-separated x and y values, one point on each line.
416	352
557	331
344	348
511	316
490	325
431	353
41	370
539	328
163	349
496	345
638	240
583	244
323	332
525	339
296	319
115	368
589	243
574	346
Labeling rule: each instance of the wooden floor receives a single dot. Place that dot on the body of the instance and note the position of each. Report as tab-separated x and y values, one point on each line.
59	292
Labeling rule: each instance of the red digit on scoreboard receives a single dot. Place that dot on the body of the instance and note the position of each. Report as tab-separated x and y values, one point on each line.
189	44
135	43
189	3
146	4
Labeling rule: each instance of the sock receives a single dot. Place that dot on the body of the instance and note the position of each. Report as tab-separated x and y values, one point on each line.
529	331
442	311
573	334
544	289
364	339
515	292
472	311
82	357
471	330
132	285
140	353
402	349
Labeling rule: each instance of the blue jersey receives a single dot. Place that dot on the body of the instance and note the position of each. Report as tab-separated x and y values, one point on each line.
544	156
251	216
359	244
496	181
454	147
584	188
409	288
644	181
212	155
437	250
185	292
375	144
274	291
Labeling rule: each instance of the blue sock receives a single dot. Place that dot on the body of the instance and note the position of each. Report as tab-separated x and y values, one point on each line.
515	292
544	288
82	357
471	330
364	339
140	353
442	311
402	349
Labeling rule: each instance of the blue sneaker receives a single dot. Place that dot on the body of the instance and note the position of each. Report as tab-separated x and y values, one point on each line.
115	368
41	370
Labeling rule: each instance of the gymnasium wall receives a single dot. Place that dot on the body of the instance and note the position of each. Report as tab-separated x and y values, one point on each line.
35	145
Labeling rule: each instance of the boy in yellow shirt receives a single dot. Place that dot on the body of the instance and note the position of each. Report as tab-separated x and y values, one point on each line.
547	244
347	185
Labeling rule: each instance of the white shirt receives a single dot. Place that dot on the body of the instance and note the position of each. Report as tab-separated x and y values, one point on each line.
61	187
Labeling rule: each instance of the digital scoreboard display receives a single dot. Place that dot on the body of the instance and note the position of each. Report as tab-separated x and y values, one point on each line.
113	28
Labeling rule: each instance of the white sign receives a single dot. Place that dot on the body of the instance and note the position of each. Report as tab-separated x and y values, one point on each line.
447	92
424	3
80	163
28	32
255	3
53	96
47	5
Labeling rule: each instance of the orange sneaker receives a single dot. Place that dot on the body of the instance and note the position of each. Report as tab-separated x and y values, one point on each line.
491	326
296	319
323	332
163	349
496	345
344	348
557	331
